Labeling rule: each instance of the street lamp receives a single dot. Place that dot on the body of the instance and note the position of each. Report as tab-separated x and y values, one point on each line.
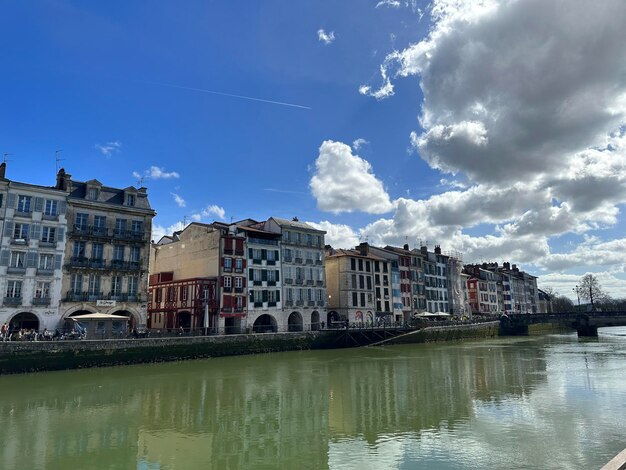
577	296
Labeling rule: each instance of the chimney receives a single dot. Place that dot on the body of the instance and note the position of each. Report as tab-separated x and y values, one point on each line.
424	250
437	249
515	270
363	248
295	219
3	169
64	180
406	246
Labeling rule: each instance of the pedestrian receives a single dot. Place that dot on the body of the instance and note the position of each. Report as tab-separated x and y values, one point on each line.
323	325
4	330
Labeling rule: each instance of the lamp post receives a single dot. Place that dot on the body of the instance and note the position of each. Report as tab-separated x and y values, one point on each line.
577	296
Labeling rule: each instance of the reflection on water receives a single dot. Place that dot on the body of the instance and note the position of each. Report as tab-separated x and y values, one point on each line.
539	402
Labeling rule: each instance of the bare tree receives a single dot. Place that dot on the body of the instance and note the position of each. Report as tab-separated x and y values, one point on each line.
589	289
562	304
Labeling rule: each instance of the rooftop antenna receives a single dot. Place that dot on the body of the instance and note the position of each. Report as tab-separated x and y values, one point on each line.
57	159
140	182
184	220
4	157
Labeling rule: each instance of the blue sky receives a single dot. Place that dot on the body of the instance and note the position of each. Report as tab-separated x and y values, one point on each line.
471	130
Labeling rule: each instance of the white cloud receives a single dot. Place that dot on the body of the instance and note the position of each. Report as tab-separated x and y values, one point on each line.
326	38
358	143
109	148
158	231
209	211
337	235
526	105
155	173
344	182
179	200
388	3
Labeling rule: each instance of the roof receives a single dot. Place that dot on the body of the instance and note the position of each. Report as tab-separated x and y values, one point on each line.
109	195
99	316
345	252
258	231
296	224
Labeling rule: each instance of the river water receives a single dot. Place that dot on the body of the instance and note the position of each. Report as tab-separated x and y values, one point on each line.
539	402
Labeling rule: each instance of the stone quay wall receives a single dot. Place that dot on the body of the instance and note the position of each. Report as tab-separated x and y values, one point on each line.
435	334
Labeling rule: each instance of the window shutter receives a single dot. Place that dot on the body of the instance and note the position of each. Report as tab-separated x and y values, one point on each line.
4	258
264	275
251	296
228	301
12	201
243	282
277	296
243	263
31	259
60	233
249	252
221	283
251	274
38	204
263	254
57	261
61	207
35	231
8	229
264	294
276	255
277	276
243	302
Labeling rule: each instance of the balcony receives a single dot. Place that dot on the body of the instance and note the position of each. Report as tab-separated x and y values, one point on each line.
21	213
45	271
309	261
90	231
299	281
228	251
271	262
82	262
256	261
310	282
227	289
287	259
122	297
239	252
258	304
16	270
19	241
288	280
129	235
311	303
41	301
120	265
320	303
97	263
238	290
13	301
271	283
299	303
271	304
318	262
257	283
228	269
45	216
298	260
238	270
74	296
238	309
47	244
320	283
288	303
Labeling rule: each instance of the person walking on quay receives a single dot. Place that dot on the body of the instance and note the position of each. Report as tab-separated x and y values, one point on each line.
4	331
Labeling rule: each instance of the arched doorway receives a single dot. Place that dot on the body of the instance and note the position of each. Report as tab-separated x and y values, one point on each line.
184	320
294	322
315	321
24	320
132	321
265	324
333	317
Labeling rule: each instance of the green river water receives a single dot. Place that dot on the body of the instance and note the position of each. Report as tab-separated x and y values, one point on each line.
541	402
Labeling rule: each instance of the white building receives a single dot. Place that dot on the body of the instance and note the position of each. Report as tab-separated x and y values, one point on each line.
31	253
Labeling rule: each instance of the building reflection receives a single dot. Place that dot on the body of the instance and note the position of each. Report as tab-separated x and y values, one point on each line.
268	411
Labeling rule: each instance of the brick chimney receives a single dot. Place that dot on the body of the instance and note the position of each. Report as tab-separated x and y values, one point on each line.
424	250
64	180
363	248
406	246
3	169
437	249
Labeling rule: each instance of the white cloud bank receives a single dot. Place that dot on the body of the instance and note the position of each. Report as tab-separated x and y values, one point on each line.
109	148
326	38
180	202
526	102
156	173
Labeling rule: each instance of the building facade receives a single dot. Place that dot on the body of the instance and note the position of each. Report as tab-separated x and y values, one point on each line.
31	254
107	250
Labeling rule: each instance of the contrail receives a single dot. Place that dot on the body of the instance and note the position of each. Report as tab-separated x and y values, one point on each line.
242	97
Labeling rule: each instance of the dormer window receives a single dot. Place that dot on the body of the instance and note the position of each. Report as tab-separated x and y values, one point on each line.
92	194
130	200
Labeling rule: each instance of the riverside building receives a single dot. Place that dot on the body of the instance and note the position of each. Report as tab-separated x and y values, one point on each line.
106	253
31	253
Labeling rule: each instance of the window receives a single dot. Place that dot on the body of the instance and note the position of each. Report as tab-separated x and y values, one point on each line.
50	208
92	193
42	290
79	249
81	221
289	294
239	265
118	253
97	250
354	281
48	234
360	265
369	282
133	284
46	262
355	299
1	197
368	266
228	264
352	264
120	226
286	236
130	200
183	293
14	289
136	226
271	276
320	295
23	203
238	283
20	232
94	284
99	221
116	285
309	294
271	296
227	281
18	259
238	302
271	255
135	253
76	283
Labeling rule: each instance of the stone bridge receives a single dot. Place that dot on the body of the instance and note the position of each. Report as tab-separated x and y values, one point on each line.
586	323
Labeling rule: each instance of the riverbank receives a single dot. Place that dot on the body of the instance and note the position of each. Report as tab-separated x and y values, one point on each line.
19	357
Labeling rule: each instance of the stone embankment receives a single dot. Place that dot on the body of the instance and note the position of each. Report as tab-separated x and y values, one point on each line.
17	357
